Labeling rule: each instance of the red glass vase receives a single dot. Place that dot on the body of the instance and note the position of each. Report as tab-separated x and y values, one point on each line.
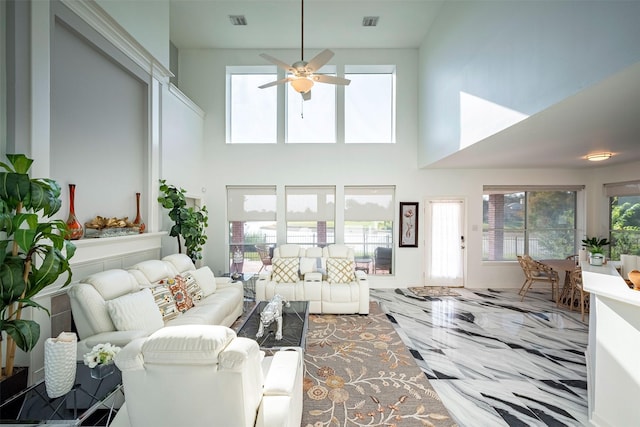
74	227
138	221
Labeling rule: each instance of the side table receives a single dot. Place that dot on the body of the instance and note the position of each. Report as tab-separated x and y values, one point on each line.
90	402
248	284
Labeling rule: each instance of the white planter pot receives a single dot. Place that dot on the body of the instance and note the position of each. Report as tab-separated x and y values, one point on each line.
60	364
596	259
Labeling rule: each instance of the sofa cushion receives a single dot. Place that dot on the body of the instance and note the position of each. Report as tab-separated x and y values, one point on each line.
191	344
135	311
205	279
178	289
164	300
155	270
112	283
180	262
313	265
340	270
193	289
285	270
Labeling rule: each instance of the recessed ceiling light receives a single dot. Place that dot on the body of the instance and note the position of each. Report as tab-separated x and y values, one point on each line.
598	157
370	21
238	20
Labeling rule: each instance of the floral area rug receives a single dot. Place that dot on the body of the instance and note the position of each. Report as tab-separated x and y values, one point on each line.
434	291
358	373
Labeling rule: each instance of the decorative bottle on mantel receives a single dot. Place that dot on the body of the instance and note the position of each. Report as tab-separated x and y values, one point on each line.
74	227
138	221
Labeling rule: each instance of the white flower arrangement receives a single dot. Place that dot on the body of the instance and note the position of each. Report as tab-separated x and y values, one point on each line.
101	354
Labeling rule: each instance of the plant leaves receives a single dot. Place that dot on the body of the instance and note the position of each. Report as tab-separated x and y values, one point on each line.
24	332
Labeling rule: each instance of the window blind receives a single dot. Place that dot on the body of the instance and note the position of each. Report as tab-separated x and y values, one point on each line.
310	203
251	203
629	188
369	203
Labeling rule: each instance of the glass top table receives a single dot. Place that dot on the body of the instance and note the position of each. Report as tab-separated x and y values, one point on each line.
294	326
91	402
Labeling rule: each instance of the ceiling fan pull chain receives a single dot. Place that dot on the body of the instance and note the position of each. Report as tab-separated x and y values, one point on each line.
302	109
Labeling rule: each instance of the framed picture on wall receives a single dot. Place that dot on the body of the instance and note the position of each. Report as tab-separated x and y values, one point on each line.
408	224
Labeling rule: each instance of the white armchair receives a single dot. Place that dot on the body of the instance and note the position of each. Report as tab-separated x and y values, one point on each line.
345	290
203	375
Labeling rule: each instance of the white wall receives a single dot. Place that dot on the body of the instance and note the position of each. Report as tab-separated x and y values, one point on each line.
146	21
202	78
521	57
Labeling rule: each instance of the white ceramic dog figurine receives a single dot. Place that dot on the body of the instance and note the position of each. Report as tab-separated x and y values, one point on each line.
271	312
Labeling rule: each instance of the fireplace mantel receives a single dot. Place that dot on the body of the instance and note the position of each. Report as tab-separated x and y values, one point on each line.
92	250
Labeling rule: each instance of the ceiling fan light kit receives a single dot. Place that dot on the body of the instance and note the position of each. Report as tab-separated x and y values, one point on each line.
302	73
598	157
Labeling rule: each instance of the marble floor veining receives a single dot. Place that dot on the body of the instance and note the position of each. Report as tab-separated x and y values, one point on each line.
496	361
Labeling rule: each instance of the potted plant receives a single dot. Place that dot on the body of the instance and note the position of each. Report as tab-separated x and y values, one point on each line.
33	252
595	246
189	222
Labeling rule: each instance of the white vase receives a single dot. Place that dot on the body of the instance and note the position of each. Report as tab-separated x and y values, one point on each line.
596	259
60	364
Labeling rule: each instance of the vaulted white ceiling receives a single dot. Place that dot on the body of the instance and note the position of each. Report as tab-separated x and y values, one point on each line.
604	117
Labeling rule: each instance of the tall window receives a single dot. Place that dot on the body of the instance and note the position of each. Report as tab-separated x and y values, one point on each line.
310	215
312	121
368	227
539	221
369	105
624	218
246	104
251	212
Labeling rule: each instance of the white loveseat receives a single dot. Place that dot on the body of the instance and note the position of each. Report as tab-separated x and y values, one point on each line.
118	306
326	277
202	375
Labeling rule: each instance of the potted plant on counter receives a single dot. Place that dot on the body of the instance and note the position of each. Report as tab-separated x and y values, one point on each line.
595	246
33	252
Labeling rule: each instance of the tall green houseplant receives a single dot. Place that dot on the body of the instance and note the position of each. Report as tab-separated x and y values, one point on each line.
33	251
189	222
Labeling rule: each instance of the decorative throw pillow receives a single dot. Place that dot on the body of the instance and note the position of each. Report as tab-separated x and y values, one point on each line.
193	289
205	279
165	302
135	311
340	270
178	289
285	270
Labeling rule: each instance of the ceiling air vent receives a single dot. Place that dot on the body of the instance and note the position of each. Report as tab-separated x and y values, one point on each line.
238	20
370	21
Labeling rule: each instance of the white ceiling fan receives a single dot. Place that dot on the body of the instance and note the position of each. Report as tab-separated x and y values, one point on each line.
302	73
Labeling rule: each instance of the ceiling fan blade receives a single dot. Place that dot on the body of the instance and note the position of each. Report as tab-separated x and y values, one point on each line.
306	95
330	79
277	82
319	60
279	63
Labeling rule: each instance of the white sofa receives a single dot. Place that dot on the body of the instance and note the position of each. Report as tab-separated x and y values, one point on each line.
326	277
113	305
203	375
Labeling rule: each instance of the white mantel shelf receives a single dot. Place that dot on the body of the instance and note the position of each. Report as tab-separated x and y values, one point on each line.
93	249
613	370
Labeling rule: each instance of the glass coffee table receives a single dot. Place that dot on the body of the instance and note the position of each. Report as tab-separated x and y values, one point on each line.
91	402
294	326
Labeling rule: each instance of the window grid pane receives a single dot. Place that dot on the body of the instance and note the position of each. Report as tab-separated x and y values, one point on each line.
369	108
249	104
312	121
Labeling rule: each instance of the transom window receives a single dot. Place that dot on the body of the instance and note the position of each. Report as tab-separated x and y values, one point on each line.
365	114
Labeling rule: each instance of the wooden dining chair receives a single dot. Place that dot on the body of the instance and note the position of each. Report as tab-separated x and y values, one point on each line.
634	277
580	297
535	271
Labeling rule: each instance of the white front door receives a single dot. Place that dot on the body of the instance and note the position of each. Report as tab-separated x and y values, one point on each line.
445	242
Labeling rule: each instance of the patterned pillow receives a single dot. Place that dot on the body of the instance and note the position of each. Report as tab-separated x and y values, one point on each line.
285	270
193	289
178	289
164	300
340	270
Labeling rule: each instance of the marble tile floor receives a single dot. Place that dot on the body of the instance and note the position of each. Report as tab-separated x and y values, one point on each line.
496	361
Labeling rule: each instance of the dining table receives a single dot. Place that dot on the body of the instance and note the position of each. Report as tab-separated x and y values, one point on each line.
567	266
